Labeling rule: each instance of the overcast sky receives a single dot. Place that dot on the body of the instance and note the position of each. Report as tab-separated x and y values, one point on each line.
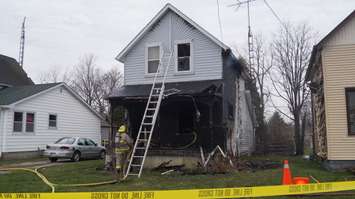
59	32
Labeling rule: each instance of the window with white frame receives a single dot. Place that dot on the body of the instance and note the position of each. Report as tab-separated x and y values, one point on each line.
52	121
18	121
30	122
183	56
24	122
153	58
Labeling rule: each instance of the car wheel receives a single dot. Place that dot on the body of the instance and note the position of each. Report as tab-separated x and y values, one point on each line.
102	154
76	156
53	159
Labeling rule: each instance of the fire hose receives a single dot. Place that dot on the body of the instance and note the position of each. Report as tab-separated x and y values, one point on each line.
54	185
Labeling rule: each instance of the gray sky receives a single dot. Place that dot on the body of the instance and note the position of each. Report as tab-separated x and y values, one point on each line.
58	32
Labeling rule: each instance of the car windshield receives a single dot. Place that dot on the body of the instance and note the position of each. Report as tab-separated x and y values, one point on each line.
65	140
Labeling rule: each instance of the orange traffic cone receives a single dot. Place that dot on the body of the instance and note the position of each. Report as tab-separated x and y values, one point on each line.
286	176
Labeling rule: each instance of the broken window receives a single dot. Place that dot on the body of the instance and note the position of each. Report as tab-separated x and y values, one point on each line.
183	59
350	108
153	59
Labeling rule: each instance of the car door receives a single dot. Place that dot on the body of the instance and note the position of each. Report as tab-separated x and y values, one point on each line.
95	148
91	148
83	148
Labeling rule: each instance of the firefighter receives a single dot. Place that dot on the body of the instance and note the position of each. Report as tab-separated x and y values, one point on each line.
124	144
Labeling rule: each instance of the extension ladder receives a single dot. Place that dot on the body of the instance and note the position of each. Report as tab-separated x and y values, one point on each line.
146	128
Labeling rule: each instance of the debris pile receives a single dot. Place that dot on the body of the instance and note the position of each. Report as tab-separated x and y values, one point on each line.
253	165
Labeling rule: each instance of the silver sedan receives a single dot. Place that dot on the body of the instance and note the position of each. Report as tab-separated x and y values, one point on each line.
74	148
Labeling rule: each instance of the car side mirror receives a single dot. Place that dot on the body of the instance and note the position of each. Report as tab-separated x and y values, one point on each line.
95	144
80	143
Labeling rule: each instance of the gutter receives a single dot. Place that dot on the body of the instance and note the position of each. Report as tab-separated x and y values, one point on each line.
3	131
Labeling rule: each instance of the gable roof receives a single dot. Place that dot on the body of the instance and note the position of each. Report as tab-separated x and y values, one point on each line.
156	18
14	95
318	47
11	73
11	95
340	25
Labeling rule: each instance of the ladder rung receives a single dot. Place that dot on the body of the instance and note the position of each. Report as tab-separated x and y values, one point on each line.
149	116
147	123
140	147
151	109
153	102
133	174
138	156
135	165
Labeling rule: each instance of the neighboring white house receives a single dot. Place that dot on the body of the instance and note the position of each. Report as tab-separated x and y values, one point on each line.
32	116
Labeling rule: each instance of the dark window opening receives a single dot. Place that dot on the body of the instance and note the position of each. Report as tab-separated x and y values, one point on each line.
350	109
18	119
230	111
183	57
52	121
185	117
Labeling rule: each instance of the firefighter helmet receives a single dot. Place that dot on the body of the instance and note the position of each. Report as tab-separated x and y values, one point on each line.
122	129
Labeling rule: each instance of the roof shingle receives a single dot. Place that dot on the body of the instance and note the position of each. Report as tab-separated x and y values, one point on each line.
13	94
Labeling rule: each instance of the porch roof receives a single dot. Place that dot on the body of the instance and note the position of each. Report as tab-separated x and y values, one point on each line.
183	88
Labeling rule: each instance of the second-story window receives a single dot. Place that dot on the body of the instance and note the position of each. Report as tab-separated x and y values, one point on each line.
183	57
153	59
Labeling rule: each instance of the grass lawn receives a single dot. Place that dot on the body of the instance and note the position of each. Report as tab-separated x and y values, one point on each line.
85	172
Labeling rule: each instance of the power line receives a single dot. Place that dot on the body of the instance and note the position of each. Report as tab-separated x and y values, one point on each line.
275	14
219	21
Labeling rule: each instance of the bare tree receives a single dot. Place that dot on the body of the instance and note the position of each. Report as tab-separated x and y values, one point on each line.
54	75
93	84
291	51
259	72
85	77
105	85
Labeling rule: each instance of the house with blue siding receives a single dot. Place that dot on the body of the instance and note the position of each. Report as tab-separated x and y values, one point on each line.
205	103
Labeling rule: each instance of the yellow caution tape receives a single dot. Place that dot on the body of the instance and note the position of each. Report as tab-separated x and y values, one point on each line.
196	193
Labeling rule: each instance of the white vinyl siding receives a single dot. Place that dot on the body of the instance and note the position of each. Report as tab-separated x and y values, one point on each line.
75	120
206	55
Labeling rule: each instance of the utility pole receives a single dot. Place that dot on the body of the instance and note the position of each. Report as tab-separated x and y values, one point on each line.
250	34
22	43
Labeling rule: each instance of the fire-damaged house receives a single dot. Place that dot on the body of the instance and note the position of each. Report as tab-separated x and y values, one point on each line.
194	82
331	76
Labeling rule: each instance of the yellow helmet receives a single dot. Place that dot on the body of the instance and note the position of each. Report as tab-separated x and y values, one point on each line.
122	129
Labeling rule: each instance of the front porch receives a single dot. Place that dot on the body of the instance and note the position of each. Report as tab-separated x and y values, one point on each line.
188	119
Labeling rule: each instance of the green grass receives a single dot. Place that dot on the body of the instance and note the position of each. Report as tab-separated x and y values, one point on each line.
21	181
17	161
85	172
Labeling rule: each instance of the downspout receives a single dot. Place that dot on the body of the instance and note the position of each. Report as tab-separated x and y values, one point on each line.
4	132
1	131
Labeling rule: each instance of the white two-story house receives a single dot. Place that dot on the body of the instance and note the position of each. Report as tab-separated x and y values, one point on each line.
206	103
